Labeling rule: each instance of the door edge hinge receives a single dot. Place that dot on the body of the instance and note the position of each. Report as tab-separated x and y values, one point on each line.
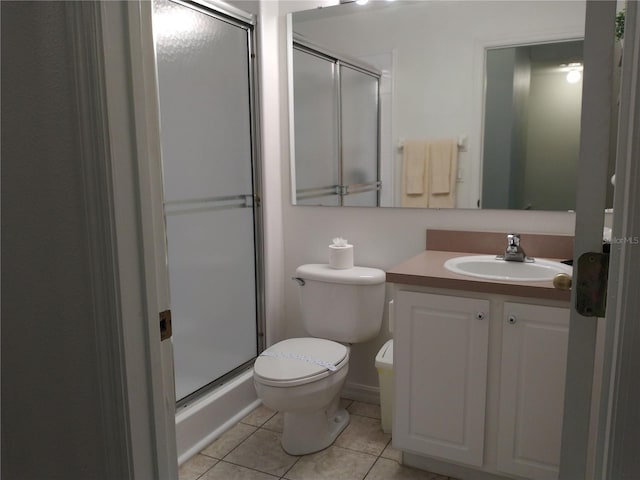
591	285
165	325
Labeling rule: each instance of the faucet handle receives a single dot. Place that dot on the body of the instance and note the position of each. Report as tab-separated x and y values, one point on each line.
513	239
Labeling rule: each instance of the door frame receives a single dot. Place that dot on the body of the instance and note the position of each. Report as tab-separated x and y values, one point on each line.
145	73
123	27
129	107
120	122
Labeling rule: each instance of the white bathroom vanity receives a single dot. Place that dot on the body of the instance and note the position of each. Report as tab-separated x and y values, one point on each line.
479	368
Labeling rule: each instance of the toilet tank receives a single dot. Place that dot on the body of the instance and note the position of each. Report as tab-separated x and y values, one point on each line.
341	305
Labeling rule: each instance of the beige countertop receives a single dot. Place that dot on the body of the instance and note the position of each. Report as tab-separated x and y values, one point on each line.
427	269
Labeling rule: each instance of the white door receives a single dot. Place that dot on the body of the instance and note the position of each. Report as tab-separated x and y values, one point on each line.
442	375
595	140
618	434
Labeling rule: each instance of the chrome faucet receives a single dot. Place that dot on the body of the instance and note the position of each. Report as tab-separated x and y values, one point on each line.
514	252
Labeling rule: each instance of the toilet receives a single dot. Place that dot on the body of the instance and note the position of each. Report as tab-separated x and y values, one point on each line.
303	377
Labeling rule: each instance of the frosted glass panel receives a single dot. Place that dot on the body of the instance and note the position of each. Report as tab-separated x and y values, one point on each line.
205	122
359	134
359	126
212	294
315	117
203	77
361	199
335	130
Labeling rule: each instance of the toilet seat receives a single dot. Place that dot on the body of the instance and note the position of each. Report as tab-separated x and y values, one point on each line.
298	361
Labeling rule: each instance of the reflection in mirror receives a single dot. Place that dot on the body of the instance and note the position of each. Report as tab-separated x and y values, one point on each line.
533	98
431	56
335	120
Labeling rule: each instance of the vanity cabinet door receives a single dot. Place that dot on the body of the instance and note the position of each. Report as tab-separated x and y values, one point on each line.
532	380
440	370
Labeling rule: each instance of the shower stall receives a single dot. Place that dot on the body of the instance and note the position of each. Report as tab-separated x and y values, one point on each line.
211	196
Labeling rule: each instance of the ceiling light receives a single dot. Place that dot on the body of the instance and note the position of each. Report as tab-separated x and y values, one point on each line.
574	76
574	71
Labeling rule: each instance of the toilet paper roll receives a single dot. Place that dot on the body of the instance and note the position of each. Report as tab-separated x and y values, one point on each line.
341	257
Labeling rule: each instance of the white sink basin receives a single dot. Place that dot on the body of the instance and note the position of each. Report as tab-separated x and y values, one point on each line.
487	266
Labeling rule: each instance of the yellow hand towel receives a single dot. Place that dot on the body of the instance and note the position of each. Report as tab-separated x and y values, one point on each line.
442	159
414	167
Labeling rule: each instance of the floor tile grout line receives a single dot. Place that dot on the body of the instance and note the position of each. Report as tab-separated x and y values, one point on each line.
376	460
298	457
208	456
363	416
283	476
250	468
203	473
371	468
357	451
292	465
262	424
352	450
201	452
272	430
243	440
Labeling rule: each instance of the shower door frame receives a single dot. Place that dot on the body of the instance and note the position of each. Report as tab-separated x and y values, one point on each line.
338	62
240	19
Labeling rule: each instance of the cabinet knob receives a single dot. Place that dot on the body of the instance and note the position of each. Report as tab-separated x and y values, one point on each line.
512	319
480	315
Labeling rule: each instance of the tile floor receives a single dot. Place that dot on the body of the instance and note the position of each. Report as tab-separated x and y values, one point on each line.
251	451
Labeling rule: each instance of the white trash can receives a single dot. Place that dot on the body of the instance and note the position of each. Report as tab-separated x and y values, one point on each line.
384	364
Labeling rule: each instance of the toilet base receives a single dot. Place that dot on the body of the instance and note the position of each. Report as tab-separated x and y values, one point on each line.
306	433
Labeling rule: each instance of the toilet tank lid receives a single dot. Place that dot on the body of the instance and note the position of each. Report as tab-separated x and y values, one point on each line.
351	276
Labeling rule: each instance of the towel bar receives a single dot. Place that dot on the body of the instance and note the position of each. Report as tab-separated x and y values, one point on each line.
463	143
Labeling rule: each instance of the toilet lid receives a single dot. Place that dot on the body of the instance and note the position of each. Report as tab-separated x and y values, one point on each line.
299	360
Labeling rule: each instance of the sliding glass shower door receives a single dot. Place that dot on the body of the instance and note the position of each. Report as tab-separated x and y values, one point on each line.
204	79
336	135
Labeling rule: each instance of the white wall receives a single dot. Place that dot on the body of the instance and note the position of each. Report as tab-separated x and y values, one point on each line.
382	237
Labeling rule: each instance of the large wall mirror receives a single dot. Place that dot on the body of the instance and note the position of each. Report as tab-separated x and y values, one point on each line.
449	104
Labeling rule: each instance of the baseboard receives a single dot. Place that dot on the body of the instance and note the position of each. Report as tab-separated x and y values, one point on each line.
361	393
